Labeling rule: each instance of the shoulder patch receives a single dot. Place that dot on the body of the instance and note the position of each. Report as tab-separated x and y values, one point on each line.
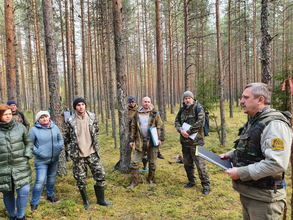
278	144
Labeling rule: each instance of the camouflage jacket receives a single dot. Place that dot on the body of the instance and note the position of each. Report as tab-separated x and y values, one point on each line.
70	134
154	121
20	118
188	116
131	112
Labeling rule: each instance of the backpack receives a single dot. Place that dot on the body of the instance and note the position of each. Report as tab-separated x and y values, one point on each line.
206	126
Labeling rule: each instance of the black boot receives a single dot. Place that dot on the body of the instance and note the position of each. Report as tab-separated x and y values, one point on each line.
160	155
85	199
100	194
145	163
22	218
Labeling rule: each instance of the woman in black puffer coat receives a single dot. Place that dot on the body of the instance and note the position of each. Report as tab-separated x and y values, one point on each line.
16	148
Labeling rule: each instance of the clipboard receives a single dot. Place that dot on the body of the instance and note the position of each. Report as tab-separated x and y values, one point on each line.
214	158
154	135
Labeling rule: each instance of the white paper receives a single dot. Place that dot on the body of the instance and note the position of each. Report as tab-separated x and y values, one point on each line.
66	115
154	135
186	126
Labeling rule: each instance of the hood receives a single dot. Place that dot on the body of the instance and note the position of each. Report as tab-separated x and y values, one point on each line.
38	125
141	109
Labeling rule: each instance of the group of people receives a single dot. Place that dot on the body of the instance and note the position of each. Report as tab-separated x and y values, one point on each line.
45	142
260	156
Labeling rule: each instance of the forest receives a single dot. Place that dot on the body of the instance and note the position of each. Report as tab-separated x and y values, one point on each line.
52	51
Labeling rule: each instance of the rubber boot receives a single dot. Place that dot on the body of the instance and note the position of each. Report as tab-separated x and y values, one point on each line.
85	199
160	155
135	176
100	194
145	162
151	178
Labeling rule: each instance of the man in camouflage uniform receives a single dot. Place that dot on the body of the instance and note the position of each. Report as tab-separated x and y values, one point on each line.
187	115
81	135
145	118
261	155
18	115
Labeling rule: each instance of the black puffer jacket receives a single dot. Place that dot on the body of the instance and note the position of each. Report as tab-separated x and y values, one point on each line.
16	148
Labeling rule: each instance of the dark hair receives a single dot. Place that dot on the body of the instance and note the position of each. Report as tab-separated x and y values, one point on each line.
3	108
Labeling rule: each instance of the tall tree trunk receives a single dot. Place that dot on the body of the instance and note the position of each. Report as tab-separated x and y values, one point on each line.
31	76
69	72
105	77
39	58
55	105
63	55
111	84
139	53
160	76
171	59
10	50
125	151
23	83
230	63
83	50
186	57
248	78
265	44
255	70
219	49
89	59
73	55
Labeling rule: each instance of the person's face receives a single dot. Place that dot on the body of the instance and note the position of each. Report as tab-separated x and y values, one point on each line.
146	103
7	116
188	100
80	108
250	104
44	119
131	104
13	107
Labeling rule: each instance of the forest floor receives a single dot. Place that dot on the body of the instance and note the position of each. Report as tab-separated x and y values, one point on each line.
168	200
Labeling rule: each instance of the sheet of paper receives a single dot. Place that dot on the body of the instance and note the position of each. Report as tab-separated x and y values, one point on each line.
66	115
186	126
154	135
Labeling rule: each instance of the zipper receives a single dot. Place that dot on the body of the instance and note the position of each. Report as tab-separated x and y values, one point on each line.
52	145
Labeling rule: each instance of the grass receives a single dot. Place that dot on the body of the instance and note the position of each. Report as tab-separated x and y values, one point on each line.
168	200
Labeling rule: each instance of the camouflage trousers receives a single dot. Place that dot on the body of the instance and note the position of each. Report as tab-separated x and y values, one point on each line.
79	168
152	154
189	158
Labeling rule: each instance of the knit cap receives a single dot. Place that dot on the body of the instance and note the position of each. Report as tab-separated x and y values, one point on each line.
188	94
40	113
78	100
10	102
131	99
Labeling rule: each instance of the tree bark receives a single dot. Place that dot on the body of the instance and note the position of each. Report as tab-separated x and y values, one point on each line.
186	57
125	151
39	58
55	105
230	63
10	50
111	84
221	87
265	44
160	93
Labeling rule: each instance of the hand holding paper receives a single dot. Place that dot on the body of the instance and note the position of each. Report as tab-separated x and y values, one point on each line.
186	126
